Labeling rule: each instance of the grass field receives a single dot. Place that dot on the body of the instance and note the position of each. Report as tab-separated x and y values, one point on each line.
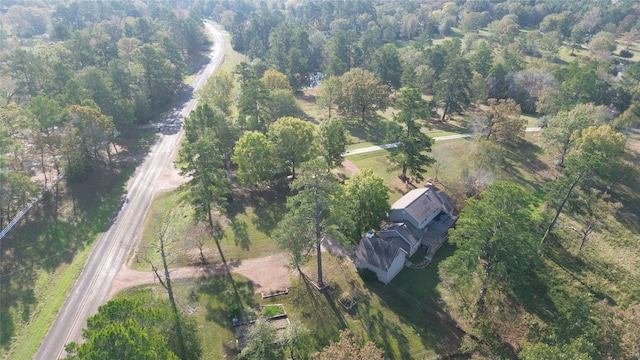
400	317
42	260
405	318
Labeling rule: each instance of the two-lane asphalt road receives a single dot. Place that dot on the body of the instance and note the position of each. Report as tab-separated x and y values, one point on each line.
110	251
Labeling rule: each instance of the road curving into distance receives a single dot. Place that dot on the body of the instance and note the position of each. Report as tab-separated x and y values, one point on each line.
111	249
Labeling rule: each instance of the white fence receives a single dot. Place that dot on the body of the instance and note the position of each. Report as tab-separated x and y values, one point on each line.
26	209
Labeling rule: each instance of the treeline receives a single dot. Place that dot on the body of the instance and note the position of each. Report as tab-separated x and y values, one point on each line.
516	56
99	69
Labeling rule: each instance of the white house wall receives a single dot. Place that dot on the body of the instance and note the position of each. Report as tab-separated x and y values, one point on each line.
384	276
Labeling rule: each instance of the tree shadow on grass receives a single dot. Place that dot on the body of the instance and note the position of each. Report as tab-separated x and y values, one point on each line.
528	283
522	159
314	307
583	268
380	330
240	234
577	269
448	126
269	209
47	239
436	329
223	297
413	297
375	129
267	204
332	294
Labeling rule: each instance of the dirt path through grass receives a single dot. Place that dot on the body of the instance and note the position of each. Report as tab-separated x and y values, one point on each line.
350	167
268	273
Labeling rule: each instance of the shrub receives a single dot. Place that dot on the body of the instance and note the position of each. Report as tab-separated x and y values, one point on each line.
626	54
235	311
271	311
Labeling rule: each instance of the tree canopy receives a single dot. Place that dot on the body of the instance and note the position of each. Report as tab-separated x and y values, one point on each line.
313	214
127	329
361	94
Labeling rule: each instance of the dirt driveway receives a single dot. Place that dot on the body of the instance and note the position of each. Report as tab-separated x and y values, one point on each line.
267	273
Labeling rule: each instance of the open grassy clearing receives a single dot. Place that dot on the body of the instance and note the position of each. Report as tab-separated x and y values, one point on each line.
41	261
406	318
250	218
400	317
231	57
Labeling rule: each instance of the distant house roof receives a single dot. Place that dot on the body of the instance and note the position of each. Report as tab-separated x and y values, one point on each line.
419	204
377	252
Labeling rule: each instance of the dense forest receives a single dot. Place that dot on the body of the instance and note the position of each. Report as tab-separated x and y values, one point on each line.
519	280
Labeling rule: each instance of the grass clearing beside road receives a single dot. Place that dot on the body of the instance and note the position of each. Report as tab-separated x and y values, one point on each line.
42	261
51	290
401	318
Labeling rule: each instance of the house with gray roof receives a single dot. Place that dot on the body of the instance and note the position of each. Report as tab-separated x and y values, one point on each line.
380	256
419	207
421	217
401	236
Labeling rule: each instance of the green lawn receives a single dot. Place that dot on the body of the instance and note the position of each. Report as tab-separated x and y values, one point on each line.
232	58
403	318
41	261
406	317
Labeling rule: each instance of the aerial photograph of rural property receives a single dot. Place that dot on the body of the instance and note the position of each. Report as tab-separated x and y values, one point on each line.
319	179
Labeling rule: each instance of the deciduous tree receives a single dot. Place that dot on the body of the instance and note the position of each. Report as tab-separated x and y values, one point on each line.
332	139
557	136
367	201
453	90
362	94
349	346
261	342
293	141
502	122
387	66
255	157
275	80
598	150
219	91
297	339
87	132
329	93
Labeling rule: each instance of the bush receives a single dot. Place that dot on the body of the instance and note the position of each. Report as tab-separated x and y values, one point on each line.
367	275
273	310
626	54
235	311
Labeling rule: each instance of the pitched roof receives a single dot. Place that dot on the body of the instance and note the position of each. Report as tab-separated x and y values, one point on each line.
376	252
419	203
400	235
